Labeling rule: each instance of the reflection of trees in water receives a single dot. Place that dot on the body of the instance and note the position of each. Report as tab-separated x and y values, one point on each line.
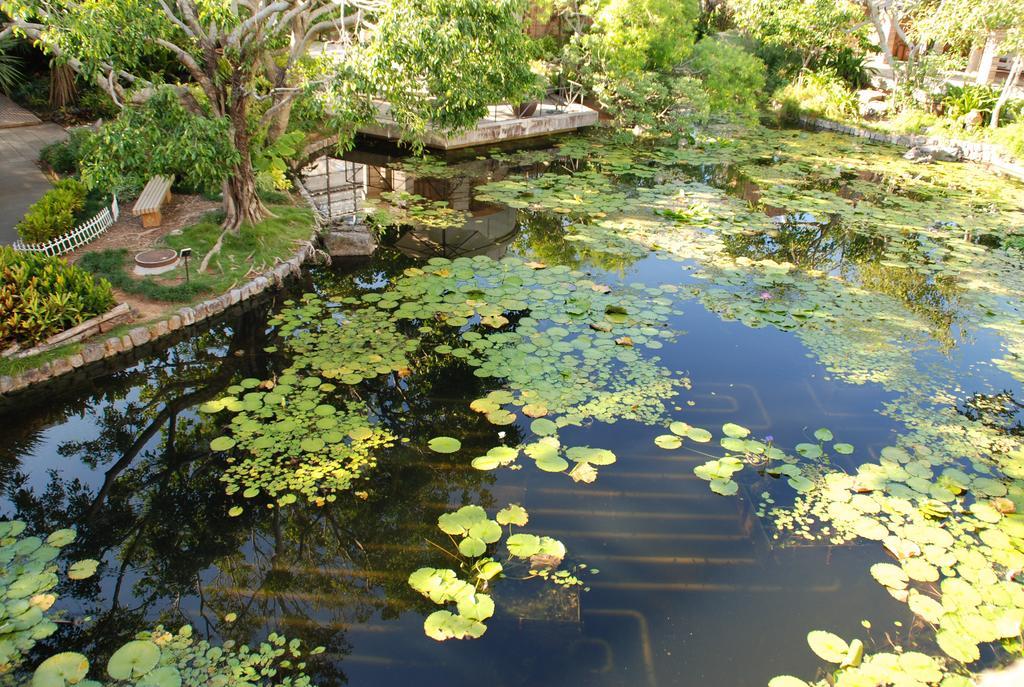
543	237
860	258
808	245
154	510
1001	411
935	300
157	514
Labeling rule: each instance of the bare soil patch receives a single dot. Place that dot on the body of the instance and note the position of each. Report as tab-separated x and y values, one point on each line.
128	232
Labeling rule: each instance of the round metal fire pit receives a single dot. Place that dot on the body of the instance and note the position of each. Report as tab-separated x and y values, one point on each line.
156	261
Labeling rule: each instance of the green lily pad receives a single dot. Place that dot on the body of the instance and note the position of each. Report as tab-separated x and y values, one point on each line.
222	444
61	538
543	427
444	445
698	434
164	676
67	668
512	515
787	681
827	646
725	487
890	575
133	660
83	569
471	547
736	431
668	441
523	545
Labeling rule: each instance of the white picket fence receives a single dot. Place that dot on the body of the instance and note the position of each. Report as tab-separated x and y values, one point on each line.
79	236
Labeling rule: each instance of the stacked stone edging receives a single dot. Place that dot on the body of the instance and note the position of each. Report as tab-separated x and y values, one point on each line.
975	151
140	336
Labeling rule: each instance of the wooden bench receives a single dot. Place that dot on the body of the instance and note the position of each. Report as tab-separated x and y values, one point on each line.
152	198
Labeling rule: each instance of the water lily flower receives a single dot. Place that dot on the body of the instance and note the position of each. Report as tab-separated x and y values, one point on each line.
766	296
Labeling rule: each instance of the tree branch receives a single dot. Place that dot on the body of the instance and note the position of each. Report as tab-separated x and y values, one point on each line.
189	62
173	18
243	29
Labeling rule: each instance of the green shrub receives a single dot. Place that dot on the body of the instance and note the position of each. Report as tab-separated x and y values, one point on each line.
41	296
1011	137
632	36
789	112
960	100
655	105
782	63
849	65
822	93
733	78
95	103
64	156
55	213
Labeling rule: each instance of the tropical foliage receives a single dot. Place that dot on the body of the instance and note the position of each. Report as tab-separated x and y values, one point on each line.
56	213
41	296
249	68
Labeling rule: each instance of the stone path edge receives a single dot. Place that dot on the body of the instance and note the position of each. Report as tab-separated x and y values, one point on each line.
975	151
142	335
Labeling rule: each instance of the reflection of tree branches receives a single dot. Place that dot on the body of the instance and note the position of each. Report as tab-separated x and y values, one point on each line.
999	411
809	245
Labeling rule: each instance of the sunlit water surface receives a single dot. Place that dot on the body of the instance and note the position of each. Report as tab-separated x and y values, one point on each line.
683	586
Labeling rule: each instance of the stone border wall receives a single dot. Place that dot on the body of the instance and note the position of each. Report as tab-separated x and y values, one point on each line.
975	151
140	336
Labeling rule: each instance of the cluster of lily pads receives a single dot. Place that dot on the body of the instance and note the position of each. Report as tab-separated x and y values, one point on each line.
404	208
159	658
856	669
28	575
475	534
279	457
856	252
575	354
956	526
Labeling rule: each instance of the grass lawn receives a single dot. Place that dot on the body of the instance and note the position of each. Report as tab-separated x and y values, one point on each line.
253	250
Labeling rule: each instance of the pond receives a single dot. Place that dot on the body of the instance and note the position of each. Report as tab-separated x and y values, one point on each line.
595	414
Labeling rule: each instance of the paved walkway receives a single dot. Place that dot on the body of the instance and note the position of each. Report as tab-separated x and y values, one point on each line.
22	183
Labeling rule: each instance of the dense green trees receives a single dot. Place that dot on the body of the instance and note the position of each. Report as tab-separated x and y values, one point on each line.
631	36
810	27
249	63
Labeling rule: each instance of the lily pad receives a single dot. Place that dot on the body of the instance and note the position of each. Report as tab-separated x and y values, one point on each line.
222	444
668	441
827	646
444	444
731	429
83	569
133	660
512	515
67	668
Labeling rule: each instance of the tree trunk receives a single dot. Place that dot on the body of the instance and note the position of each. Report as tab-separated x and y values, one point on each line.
890	59
1011	80
242	204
